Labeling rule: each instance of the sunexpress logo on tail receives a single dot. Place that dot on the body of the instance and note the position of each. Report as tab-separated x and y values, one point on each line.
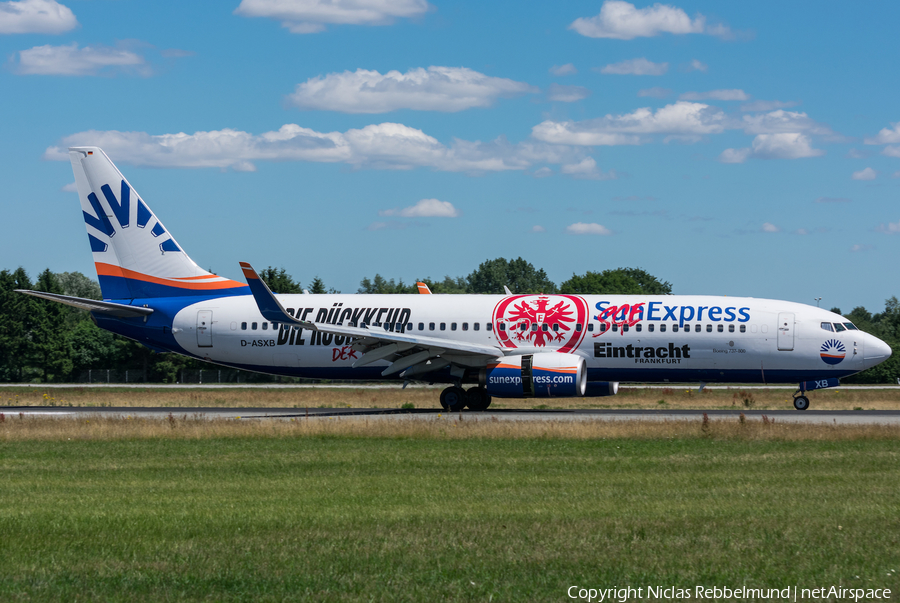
631	314
120	210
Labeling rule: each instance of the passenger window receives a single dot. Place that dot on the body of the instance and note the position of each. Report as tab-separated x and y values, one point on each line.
421	326
709	328
615	328
465	326
650	327
253	326
850	326
838	327
826	326
431	326
721	328
556	327
637	327
743	328
274	325
502	326
452	326
544	327
603	327
578	327
243	326
265	326
625	328
523	326
443	326
674	328
687	328
490	326
662	328
698	328
409	326
731	328
476	326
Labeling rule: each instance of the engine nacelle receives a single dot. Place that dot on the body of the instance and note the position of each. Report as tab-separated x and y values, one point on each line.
598	389
543	375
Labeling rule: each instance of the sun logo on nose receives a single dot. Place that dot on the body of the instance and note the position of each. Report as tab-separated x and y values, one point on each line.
832	351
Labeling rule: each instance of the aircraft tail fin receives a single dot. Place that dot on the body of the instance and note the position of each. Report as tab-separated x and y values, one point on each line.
134	254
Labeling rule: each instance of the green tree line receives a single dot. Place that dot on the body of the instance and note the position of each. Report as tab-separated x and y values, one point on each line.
42	341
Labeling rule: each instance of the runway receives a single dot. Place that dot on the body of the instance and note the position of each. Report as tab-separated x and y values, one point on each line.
836	417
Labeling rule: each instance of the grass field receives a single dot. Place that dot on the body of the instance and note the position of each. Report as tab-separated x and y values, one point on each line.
119	510
629	397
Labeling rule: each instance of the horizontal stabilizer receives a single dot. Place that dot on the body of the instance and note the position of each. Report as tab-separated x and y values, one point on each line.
92	305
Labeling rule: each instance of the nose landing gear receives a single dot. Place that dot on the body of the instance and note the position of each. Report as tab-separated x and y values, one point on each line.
801	402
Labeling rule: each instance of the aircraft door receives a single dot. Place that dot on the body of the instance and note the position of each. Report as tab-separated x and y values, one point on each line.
786	331
204	328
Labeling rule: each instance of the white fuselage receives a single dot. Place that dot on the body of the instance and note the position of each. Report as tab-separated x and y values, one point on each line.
622	338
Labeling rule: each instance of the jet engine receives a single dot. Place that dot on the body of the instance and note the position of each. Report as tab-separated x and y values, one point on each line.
543	375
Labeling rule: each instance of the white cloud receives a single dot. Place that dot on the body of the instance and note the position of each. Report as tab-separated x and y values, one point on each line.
567	94
379	146
891	151
542	172
721	95
567	69
769	227
70	188
889	228
311	16
886	135
697	66
434	89
857	248
35	16
681	118
790	145
764	105
581	228
801	231
622	21
587	169
426	208
636	67
780	121
655	92
734	155
71	60
857	154
538	228
865	174
784	146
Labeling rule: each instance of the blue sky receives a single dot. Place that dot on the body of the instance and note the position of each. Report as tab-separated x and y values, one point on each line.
729	148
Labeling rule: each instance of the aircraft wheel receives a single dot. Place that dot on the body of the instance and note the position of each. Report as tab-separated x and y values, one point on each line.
478	399
453	398
801	402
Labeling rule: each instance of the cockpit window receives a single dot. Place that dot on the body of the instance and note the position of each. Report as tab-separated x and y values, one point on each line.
850	326
838	327
826	326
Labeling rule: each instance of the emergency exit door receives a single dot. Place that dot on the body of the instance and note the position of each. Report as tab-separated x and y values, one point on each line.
204	328
786	331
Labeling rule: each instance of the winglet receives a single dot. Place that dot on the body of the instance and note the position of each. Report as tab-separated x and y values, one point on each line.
506	289
423	288
268	305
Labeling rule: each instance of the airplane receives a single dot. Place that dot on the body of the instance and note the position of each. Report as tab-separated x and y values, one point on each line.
501	346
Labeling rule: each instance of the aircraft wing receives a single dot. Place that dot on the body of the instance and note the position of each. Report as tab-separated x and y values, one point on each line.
92	305
411	354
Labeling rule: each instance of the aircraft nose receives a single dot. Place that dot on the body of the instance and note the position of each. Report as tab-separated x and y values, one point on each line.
876	351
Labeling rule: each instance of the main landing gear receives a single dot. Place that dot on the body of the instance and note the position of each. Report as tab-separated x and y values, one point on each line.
801	402
455	398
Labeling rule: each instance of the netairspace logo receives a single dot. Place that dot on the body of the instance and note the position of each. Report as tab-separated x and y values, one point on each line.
724	593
